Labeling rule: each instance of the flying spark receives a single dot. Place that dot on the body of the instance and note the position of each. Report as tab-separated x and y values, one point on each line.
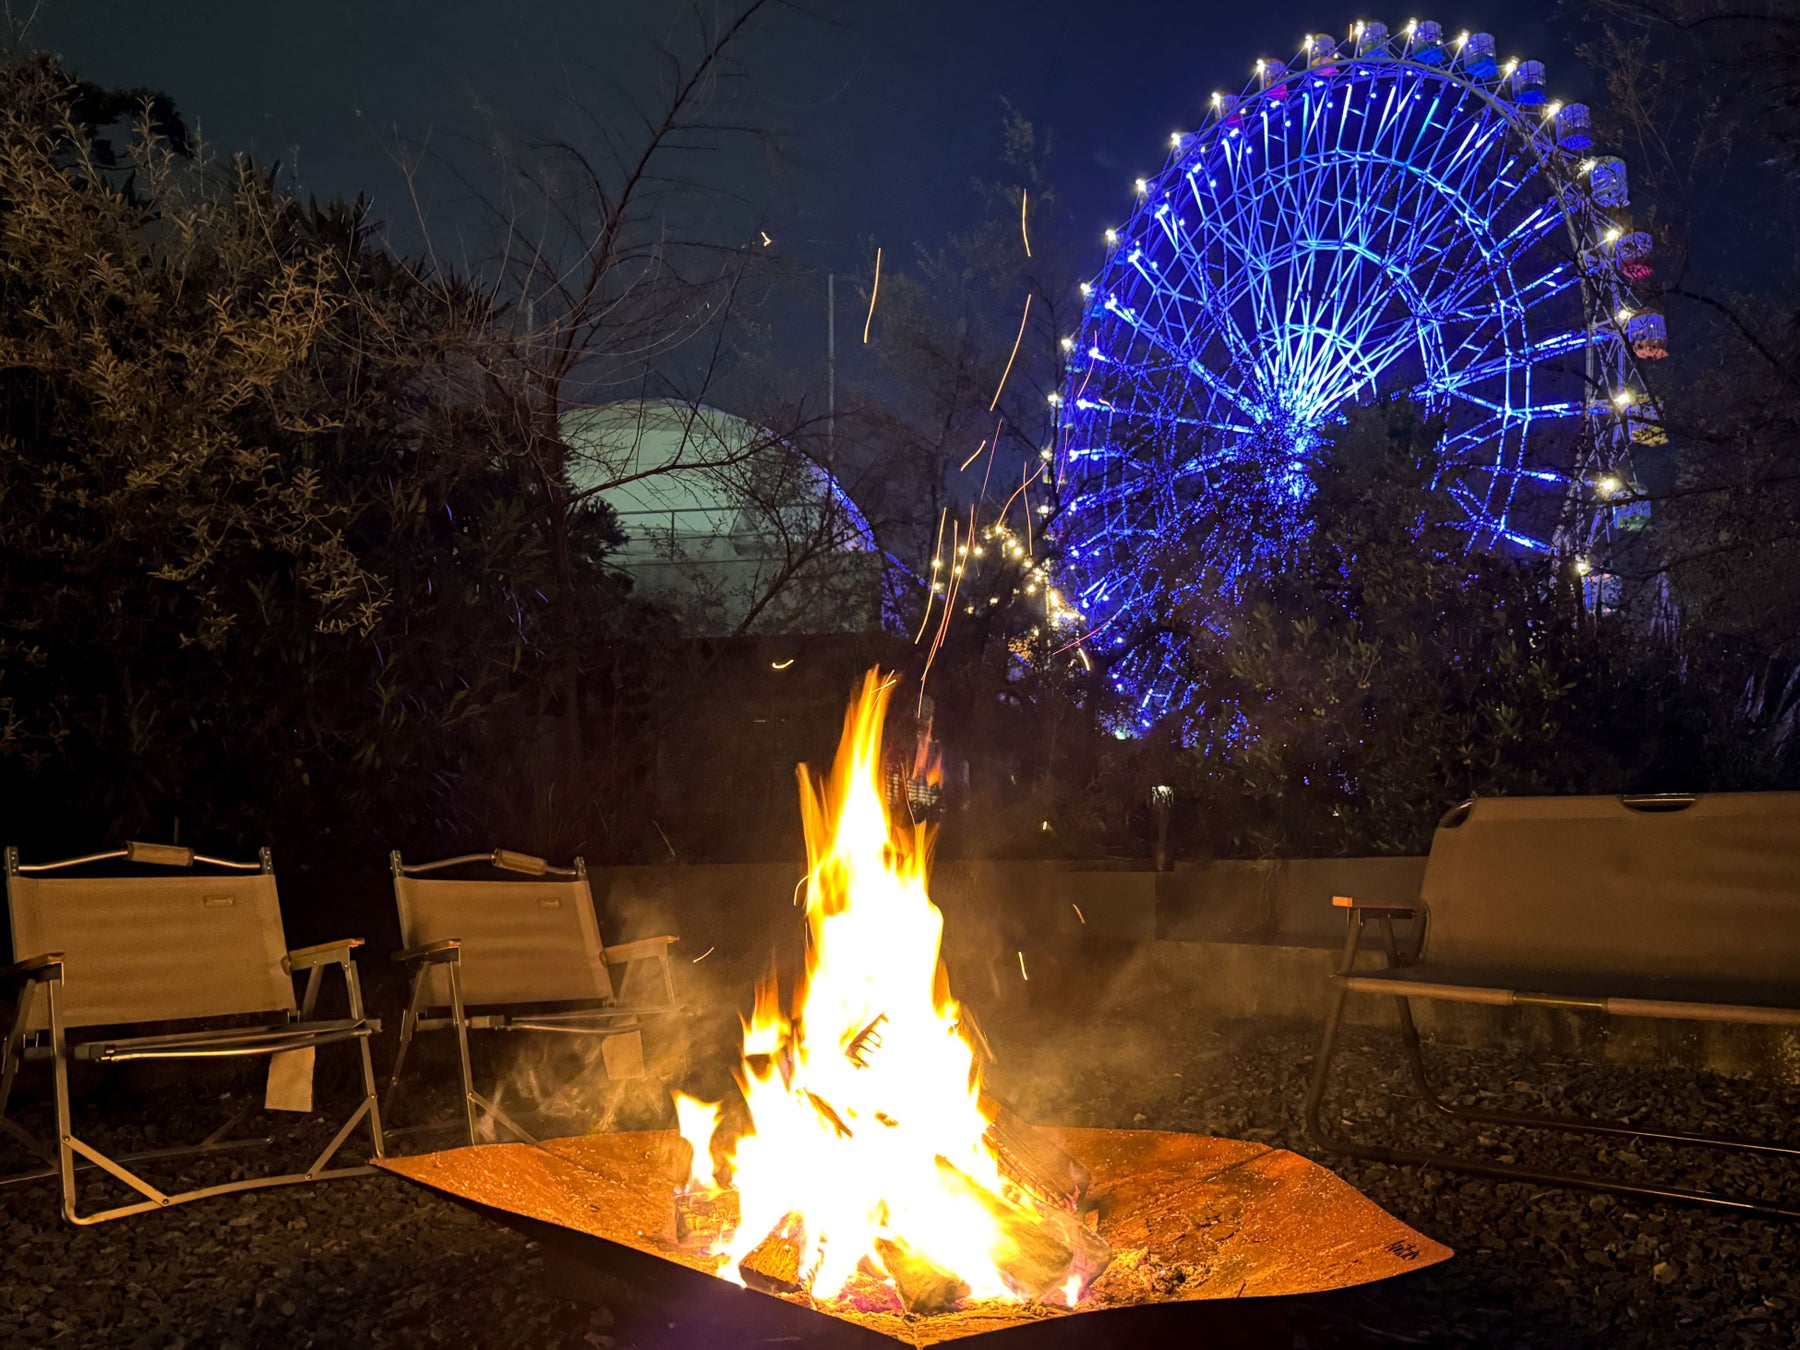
873	292
936	553
1023	318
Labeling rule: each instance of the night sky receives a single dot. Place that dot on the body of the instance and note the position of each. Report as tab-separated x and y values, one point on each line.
885	110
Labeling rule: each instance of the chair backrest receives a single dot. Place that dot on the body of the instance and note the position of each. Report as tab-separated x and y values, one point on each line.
152	948
527	941
1695	887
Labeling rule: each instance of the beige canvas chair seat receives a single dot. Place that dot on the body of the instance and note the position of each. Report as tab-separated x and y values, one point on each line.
1671	907
520	955
106	953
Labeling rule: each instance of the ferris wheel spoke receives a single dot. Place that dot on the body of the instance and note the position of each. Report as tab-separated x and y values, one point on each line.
1177	352
1508	414
1493	367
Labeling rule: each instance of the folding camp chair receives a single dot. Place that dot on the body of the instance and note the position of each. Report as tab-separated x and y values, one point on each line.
529	955
1668	906
123	952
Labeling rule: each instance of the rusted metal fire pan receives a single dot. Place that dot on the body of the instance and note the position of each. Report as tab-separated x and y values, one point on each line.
1190	1219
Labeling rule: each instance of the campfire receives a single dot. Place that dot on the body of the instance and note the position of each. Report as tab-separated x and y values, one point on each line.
875	1169
870	1178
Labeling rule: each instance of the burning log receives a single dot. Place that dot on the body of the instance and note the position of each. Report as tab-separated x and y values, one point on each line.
1026	1158
704	1218
865	1042
924	1286
1035	1253
773	1265
1031	1162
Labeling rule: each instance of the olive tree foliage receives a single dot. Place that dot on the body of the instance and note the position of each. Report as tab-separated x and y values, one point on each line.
266	566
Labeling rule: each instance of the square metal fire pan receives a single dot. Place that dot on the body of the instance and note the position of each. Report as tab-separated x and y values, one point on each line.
1215	1219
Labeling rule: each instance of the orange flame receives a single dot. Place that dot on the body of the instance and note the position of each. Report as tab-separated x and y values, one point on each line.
696	1121
865	1102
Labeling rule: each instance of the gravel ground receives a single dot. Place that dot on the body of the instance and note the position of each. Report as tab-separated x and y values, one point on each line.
1537	1266
374	1262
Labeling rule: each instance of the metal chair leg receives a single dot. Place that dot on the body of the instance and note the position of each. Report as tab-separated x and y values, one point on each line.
12	1050
353	987
65	1130
1315	1091
460	1018
409	1021
1533	1120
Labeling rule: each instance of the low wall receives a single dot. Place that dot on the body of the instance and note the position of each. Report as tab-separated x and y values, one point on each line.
1218	940
1277	901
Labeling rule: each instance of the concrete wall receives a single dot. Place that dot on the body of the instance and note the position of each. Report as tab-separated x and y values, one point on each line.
1279	901
1219	940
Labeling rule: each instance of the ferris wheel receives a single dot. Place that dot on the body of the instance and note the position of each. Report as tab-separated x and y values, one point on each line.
1389	214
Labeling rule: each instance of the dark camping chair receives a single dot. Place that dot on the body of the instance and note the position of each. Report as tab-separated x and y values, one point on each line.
1664	907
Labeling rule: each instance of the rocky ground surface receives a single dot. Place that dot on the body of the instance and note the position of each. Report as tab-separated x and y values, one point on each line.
373	1262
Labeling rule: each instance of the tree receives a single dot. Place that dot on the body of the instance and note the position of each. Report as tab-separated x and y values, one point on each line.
958	423
1703	99
266	566
1391	673
622	275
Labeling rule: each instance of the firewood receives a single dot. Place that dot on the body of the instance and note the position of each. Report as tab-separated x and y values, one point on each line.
1031	1161
1031	1257
1090	1254
773	1265
924	1286
1026	1158
865	1042
702	1218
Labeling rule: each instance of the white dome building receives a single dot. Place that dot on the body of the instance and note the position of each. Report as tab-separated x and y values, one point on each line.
731	527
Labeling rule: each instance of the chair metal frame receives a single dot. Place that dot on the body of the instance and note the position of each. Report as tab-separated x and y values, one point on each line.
611	1017
1346	982
43	973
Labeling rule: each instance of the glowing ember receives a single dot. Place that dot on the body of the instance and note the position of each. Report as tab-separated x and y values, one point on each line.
867	1159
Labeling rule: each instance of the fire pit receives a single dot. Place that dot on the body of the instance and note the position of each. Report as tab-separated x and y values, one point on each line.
1187	1219
877	1182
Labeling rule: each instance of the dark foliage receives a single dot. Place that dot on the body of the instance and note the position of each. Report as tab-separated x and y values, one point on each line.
1390	673
268	570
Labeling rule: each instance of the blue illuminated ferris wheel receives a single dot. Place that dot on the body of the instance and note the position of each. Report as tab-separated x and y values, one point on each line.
1383	215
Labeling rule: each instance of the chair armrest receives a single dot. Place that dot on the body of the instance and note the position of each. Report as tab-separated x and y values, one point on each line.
323	954
448	949
641	950
46	967
1373	911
